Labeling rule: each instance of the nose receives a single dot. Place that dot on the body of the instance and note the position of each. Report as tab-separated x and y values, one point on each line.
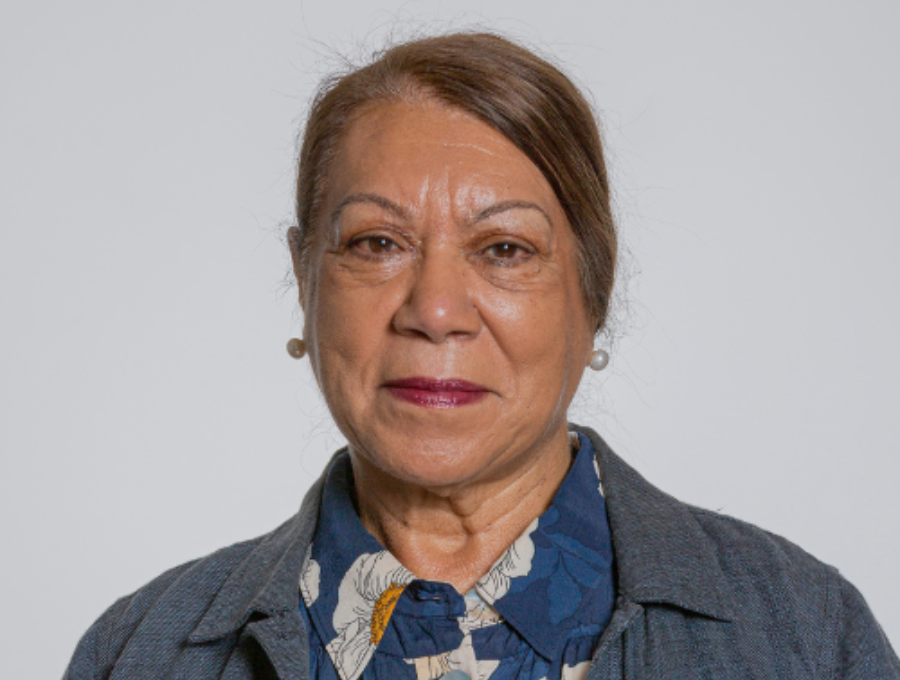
439	304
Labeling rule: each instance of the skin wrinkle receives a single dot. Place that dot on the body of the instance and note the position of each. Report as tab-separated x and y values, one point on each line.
461	550
497	212
471	146
446	490
482	527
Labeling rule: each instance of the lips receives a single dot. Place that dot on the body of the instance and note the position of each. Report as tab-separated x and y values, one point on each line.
435	393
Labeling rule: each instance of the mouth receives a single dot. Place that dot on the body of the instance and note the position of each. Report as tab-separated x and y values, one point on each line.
436	393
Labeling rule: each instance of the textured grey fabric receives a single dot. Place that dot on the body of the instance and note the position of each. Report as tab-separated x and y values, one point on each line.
699	595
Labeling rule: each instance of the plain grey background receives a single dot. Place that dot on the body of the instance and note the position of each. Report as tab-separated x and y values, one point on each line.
146	167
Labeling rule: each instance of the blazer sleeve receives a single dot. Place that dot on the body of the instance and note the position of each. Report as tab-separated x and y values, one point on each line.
863	651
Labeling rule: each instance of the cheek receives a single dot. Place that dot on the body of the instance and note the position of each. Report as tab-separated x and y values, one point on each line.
543	330
333	330
346	326
331	320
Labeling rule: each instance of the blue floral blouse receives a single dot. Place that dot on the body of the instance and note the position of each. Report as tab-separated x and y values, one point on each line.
538	613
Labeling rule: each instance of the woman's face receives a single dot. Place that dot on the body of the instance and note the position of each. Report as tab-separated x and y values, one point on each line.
444	317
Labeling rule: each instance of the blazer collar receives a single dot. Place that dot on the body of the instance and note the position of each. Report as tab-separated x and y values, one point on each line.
267	582
661	554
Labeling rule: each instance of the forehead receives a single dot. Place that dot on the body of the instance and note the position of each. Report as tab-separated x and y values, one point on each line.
411	151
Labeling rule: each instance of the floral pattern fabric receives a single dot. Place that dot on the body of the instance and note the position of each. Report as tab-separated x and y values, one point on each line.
537	614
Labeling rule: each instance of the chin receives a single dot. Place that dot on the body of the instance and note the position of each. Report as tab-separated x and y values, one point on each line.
444	462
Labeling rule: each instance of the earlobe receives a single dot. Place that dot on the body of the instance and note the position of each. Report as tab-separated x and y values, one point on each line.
589	349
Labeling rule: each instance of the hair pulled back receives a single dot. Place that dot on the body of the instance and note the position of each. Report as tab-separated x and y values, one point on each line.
522	96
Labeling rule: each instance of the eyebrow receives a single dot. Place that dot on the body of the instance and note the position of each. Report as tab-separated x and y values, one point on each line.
503	206
380	201
399	211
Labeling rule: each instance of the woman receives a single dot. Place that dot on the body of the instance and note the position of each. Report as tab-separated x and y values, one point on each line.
455	256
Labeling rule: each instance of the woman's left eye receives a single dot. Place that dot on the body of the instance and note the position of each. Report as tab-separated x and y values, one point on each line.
507	252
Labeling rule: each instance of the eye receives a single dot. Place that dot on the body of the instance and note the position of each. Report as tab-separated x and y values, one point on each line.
373	245
507	252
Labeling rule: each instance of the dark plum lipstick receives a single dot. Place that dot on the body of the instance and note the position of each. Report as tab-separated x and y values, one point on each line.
436	393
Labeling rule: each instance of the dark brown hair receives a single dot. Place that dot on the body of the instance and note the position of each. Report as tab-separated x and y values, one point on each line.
519	94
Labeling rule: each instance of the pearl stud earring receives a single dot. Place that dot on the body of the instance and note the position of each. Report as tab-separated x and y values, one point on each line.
296	348
599	359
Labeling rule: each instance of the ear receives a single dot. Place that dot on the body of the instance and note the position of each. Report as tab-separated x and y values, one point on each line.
294	239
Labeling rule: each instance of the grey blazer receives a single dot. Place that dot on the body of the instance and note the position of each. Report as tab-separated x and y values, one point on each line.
699	595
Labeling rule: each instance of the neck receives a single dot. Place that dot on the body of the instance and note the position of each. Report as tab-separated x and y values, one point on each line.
455	534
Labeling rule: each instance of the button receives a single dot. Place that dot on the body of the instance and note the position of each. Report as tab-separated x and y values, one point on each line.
432	591
454	675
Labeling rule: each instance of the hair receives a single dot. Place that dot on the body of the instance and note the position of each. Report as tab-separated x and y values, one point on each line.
519	94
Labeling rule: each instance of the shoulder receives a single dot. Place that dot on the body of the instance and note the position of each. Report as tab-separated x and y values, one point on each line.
194	614
694	567
754	559
779	588
183	592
